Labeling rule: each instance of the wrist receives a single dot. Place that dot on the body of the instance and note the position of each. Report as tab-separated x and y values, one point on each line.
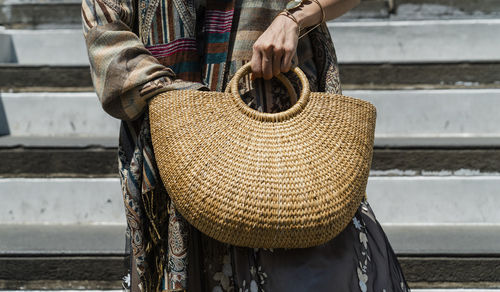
305	18
308	13
292	22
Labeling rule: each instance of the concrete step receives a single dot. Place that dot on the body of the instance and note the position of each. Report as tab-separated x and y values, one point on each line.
53	46
72	269
68	269
369	9
466	40
432	162
40	78
112	142
102	272
451	273
58	142
99	162
420	75
424	200
89	240
59	162
406	118
63	201
421	214
115	284
40	14
56	114
93	257
454	290
444	9
62	240
422	9
416	41
434	113
27	78
442	239
416	290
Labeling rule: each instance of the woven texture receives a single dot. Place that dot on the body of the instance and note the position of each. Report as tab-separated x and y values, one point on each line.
292	179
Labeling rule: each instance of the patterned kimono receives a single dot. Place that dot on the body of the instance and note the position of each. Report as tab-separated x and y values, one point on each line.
139	48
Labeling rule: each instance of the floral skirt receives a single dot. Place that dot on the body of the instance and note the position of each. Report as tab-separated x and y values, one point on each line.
360	258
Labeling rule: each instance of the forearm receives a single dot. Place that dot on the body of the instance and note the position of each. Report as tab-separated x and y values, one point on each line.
274	50
124	72
309	14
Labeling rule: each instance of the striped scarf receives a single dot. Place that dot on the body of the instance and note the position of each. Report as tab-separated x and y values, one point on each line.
198	55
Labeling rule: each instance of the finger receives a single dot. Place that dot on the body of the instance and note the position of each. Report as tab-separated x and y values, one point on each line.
267	66
295	61
256	63
286	63
277	56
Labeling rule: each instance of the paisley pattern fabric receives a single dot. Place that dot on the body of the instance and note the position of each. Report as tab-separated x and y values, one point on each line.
139	48
358	259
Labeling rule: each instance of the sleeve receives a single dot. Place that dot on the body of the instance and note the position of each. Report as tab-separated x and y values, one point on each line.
125	75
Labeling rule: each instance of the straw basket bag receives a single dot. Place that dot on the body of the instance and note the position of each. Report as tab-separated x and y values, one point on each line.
291	179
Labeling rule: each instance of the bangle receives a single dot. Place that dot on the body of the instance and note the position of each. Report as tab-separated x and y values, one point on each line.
323	16
322	19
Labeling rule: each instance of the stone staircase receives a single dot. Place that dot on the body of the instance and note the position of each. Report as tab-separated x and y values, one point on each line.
432	68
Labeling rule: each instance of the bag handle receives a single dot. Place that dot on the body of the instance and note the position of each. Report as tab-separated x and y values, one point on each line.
270	117
285	81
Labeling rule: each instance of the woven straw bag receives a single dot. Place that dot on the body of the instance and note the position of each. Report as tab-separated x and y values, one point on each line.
291	179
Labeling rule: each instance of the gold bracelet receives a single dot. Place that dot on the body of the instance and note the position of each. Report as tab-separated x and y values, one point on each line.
322	19
323	16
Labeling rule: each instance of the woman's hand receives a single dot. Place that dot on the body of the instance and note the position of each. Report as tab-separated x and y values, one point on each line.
277	46
274	50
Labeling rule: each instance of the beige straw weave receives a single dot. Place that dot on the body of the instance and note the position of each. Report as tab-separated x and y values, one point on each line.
291	179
